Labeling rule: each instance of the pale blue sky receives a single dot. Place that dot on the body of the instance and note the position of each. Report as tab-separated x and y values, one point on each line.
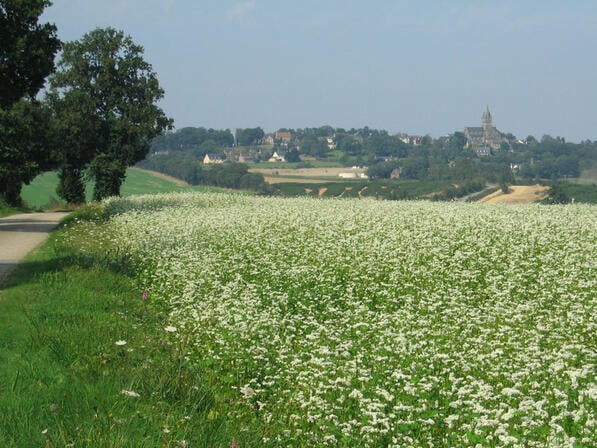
419	66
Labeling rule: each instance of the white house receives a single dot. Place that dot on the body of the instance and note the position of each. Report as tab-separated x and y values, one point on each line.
213	158
276	158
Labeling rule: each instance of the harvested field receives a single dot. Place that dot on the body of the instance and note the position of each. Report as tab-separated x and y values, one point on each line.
519	194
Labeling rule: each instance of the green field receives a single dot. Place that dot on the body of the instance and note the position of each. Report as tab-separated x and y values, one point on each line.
41	193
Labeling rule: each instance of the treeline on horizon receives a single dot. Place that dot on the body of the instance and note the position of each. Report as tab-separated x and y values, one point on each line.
550	159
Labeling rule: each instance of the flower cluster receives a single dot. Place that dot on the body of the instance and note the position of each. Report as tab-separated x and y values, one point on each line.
366	323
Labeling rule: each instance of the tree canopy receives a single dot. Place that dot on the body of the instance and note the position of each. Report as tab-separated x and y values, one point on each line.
192	138
27	50
104	96
249	136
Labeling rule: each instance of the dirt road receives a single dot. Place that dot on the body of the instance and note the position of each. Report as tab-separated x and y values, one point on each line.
20	234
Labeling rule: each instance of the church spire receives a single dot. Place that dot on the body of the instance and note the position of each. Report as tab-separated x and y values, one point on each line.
486	118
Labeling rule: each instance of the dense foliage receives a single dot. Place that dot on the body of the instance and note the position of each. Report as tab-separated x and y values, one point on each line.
364	323
249	136
27	50
25	142
186	167
104	96
190	138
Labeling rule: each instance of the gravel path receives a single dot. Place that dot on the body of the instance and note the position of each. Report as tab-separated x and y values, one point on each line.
20	234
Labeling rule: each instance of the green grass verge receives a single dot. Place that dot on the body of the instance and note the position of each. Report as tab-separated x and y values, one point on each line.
5	210
65	381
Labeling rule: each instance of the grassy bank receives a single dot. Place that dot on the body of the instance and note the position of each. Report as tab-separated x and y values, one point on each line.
41	193
5	210
87	362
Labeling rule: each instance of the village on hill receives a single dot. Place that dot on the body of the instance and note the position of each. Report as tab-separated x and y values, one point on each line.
477	159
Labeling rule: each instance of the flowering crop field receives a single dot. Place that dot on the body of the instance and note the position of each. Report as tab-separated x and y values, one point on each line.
377	323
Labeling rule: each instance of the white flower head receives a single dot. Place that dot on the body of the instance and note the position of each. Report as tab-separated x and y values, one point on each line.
171	329
120	343
247	391
130	393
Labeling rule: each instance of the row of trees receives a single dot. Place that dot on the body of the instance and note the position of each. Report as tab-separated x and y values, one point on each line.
192	138
98	115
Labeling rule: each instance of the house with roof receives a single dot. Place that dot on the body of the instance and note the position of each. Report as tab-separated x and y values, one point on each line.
276	157
213	158
284	137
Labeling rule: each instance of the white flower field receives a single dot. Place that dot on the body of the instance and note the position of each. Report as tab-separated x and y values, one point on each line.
377	323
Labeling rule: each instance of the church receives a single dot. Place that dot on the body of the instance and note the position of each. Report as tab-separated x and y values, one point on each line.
485	138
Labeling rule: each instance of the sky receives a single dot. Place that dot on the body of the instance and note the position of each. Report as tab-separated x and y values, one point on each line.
415	66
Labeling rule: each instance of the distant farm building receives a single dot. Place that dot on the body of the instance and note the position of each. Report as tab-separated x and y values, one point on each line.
284	137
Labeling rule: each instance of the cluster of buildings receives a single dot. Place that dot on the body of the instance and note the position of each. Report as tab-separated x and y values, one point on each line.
482	139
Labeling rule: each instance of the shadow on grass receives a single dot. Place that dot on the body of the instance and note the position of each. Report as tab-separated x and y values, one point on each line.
13	273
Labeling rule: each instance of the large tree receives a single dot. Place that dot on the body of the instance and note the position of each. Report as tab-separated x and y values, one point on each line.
105	97
24	142
27	50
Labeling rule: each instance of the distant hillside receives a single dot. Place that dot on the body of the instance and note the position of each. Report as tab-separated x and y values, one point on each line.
42	190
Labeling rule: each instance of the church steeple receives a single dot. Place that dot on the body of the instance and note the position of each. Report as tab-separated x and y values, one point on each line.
486	118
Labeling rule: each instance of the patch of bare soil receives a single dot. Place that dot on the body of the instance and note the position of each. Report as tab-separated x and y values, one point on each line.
519	194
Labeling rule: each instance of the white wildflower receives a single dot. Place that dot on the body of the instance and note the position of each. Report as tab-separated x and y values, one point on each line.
130	393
